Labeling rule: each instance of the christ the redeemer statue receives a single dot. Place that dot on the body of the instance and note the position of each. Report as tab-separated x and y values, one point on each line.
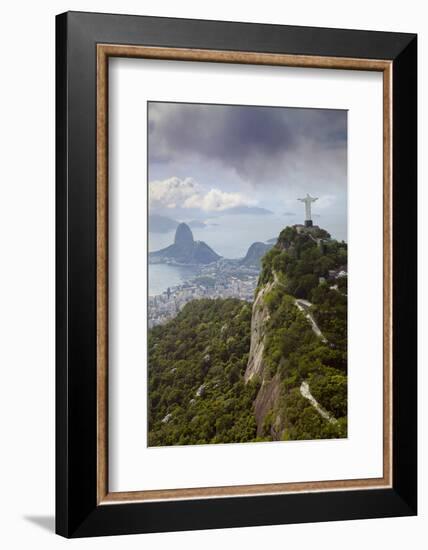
308	200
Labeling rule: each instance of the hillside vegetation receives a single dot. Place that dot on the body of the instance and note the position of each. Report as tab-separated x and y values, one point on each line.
293	353
196	386
206	384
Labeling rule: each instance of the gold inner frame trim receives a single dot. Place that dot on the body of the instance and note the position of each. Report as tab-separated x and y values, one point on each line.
104	51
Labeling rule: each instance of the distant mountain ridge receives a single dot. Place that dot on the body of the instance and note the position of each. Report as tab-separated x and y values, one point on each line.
185	250
255	254
161	224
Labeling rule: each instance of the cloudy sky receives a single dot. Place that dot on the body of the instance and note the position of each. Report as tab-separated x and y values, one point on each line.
206	159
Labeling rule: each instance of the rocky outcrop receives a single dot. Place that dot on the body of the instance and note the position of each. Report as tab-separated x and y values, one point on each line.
183	236
266	403
185	250
259	319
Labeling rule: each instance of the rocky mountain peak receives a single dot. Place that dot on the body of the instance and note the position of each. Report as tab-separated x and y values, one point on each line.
185	250
183	235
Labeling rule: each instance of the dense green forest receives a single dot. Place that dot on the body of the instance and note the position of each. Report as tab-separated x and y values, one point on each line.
197	361
295	354
196	368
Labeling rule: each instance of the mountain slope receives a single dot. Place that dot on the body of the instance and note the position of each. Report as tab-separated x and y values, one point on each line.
255	254
223	371
185	249
288	355
197	361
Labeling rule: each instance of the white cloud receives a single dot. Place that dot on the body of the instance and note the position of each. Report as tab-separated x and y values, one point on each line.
186	193
172	192
215	201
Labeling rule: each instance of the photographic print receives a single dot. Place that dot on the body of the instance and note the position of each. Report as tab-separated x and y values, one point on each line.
247	274
204	321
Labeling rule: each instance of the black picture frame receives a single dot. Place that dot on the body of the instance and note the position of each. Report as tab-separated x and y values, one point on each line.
77	511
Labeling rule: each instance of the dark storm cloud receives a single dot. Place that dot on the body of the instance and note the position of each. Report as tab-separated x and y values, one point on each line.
255	142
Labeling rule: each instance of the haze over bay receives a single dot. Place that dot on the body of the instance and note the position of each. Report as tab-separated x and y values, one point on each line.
230	236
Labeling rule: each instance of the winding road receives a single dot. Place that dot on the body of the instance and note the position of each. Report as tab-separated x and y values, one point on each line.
306	393
304	306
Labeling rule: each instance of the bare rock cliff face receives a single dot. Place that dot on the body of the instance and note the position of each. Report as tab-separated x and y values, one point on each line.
259	319
267	402
267	399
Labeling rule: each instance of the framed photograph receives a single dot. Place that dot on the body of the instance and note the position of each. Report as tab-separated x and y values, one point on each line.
236	274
